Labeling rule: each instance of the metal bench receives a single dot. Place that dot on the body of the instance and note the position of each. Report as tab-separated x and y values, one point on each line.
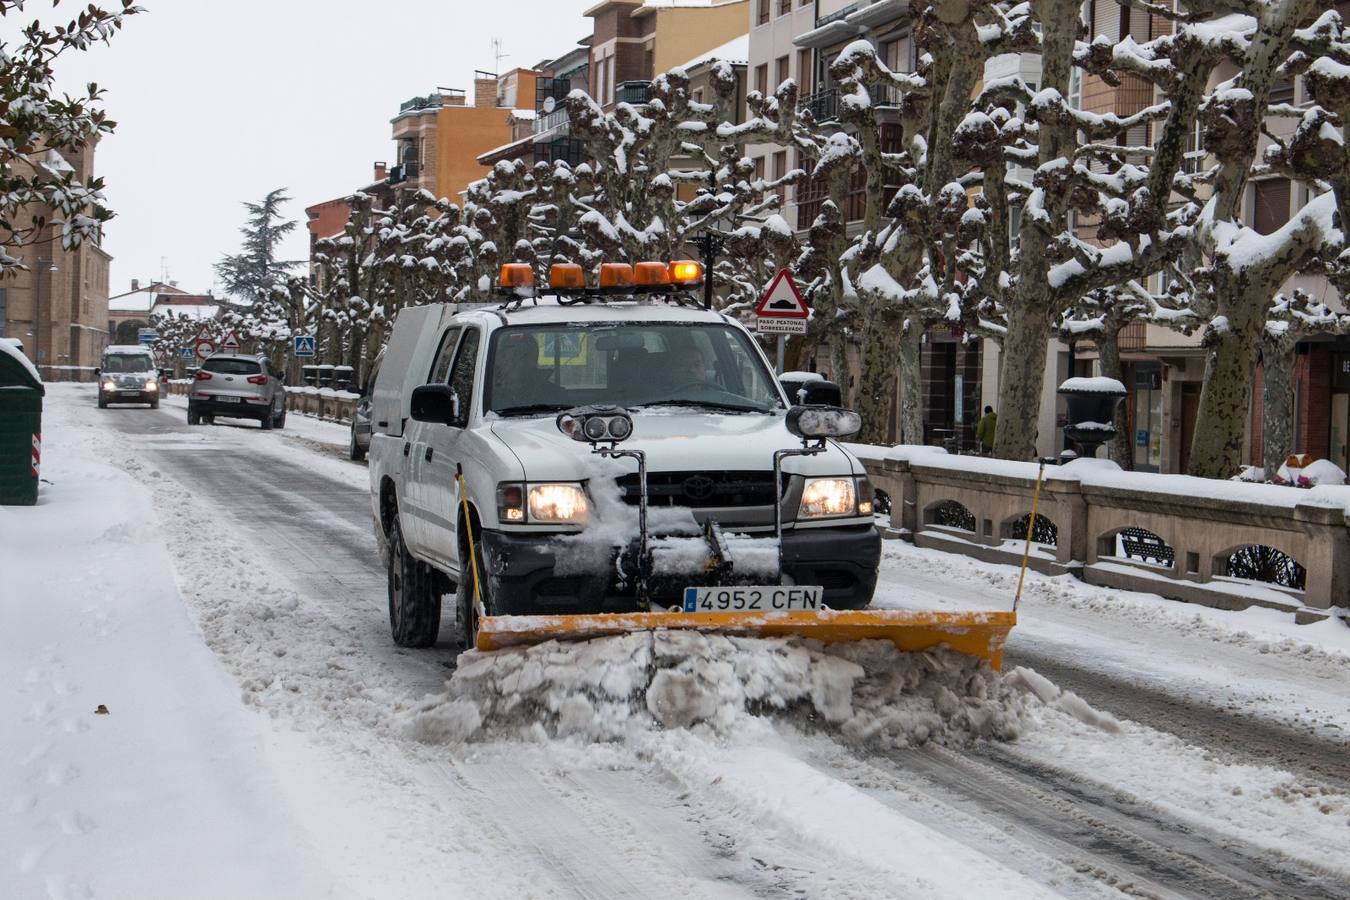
1146	545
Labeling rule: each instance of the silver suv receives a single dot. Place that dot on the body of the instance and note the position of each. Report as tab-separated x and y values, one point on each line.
238	386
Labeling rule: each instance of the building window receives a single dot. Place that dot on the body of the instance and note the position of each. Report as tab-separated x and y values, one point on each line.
779	170
1270	204
762	16
762	78
784	72
1282	91
784	7
804	71
759	168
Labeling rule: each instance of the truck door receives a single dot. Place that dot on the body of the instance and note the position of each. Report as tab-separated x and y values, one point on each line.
443	452
415	442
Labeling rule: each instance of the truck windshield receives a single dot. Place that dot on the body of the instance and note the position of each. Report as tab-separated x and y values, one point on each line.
545	368
123	363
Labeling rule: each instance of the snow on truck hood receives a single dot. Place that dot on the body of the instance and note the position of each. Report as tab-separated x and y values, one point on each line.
673	441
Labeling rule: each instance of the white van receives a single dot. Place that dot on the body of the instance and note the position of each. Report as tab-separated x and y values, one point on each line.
127	375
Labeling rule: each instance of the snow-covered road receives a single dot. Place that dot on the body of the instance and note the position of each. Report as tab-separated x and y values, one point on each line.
1226	774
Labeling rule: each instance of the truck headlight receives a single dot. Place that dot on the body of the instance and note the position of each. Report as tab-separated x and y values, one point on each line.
824	498
108	385
152	385
541	503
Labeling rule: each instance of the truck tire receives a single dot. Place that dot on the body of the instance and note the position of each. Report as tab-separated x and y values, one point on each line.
414	601
354	451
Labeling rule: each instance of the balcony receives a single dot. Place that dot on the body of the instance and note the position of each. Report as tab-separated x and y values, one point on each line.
634	92
566	149
431	101
822	105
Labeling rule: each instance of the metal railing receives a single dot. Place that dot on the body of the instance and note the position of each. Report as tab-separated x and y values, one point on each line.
635	92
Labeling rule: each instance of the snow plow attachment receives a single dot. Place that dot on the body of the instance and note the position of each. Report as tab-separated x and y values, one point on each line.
980	634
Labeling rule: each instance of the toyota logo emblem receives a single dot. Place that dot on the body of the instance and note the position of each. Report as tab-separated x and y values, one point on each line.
699	487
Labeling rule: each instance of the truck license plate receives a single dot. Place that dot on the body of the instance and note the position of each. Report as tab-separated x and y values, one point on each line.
753	598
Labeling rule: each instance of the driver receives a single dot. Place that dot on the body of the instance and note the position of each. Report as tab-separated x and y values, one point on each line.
690	367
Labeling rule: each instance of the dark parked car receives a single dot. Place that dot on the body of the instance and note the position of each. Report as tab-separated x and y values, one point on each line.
359	444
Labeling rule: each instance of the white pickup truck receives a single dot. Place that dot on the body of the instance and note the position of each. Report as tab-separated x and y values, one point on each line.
481	391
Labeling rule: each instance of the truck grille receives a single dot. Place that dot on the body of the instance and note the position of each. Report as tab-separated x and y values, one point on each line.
701	490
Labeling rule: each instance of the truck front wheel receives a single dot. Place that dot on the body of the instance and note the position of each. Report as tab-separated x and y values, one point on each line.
414	601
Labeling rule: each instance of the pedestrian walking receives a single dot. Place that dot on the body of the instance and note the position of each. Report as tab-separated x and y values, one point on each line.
984	431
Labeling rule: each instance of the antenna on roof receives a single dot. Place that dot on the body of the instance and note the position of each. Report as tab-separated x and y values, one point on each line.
497	52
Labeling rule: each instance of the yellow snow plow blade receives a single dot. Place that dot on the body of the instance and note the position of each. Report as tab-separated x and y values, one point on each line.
981	634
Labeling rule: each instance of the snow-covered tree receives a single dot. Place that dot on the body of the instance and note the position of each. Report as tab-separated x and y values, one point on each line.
41	197
1292	318
1245	270
250	275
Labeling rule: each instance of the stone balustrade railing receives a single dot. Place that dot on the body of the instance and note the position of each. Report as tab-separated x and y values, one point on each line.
322	403
1093	514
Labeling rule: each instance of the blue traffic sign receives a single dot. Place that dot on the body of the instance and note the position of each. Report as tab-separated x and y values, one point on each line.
187	353
304	345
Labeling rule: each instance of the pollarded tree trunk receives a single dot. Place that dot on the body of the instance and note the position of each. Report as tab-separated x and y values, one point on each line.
1108	349
1023	365
876	376
1226	398
910	429
1277	406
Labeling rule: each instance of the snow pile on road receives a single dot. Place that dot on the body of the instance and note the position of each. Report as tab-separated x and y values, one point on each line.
616	688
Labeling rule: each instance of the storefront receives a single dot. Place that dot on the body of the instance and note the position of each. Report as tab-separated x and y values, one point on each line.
1339	444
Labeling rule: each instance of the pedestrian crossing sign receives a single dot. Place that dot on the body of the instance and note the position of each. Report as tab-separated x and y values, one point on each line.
304	345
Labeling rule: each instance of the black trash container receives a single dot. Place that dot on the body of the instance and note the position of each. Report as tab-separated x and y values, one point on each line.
21	394
342	377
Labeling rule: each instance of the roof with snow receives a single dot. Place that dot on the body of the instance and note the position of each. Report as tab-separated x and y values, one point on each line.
505	151
735	51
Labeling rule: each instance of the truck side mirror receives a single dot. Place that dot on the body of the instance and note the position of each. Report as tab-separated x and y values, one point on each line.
98	372
816	392
435	403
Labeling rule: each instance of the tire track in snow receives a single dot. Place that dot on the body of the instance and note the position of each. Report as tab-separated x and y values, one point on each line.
1092	829
1243	737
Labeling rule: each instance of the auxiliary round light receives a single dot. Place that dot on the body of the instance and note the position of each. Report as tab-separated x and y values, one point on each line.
596	428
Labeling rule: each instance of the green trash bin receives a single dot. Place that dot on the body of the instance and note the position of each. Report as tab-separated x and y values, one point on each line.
21	395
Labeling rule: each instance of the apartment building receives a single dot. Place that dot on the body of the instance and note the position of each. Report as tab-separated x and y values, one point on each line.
57	307
440	137
633	41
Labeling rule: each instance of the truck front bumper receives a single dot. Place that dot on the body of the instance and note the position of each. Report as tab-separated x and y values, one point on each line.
524	581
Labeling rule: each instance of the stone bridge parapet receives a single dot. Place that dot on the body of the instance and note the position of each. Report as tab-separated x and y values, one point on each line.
1098	520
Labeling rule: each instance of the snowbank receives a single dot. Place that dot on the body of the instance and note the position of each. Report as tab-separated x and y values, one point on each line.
618	688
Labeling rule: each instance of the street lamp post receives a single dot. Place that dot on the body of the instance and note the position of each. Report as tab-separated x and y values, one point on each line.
42	343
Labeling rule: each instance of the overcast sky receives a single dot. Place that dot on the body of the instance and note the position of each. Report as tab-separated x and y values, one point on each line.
220	102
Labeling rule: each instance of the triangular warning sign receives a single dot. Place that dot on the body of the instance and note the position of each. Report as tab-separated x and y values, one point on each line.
203	334
782	300
231	342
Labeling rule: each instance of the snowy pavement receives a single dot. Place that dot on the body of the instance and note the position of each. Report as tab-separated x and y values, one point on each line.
219	590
